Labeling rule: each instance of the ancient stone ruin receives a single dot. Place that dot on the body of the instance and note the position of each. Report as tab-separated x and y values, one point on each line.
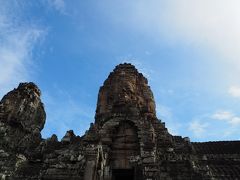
126	142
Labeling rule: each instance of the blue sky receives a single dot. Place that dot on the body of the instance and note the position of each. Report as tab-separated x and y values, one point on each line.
189	51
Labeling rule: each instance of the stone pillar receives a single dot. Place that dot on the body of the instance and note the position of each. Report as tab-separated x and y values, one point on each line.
89	173
107	174
91	166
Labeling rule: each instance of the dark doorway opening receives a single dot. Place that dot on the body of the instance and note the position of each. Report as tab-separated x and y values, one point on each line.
123	174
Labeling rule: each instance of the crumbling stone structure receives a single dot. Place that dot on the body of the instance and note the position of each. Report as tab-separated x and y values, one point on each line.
126	141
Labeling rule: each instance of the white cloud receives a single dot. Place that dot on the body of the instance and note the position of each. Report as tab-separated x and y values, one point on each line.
212	25
221	125
222	115
15	58
226	116
17	41
234	91
198	128
235	121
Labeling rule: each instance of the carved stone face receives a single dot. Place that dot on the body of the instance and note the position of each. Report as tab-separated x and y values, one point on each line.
125	91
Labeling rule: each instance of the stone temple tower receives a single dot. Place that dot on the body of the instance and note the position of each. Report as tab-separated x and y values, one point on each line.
125	142
131	137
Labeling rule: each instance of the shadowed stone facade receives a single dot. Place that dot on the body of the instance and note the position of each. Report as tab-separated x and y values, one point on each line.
126	141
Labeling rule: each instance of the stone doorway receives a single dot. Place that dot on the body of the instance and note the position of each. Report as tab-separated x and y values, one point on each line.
123	174
125	145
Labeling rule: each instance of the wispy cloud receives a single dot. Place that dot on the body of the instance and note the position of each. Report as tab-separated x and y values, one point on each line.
147	72
65	113
227	116
234	91
164	111
59	5
198	128
232	122
221	124
213	25
223	115
166	115
17	40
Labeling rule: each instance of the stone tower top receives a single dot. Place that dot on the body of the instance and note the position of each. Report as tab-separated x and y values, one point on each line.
23	108
125	92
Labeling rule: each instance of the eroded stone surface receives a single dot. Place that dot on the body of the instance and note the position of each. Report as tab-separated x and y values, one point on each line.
126	141
22	117
125	91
